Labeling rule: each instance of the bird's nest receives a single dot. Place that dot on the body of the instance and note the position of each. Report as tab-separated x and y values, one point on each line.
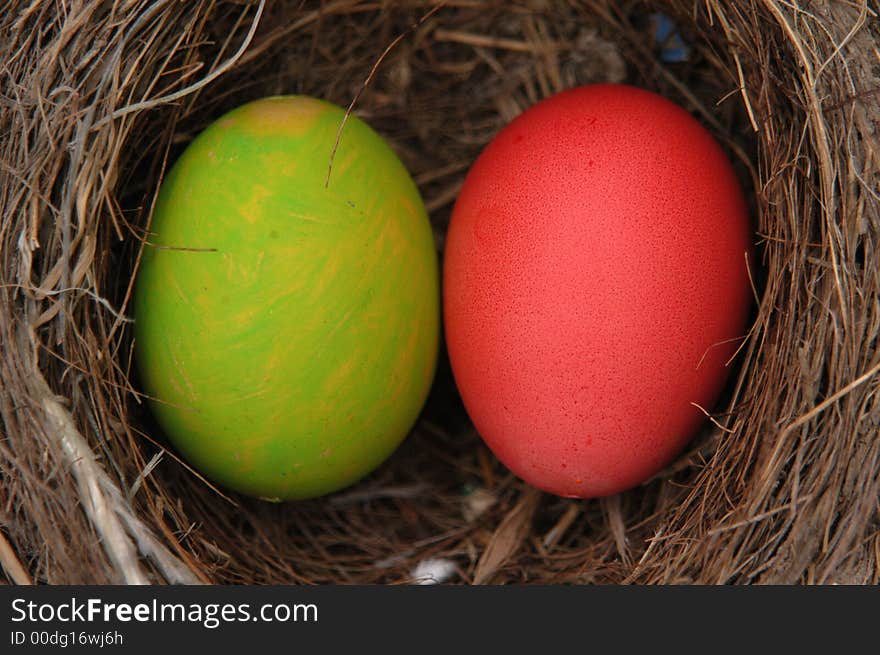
99	97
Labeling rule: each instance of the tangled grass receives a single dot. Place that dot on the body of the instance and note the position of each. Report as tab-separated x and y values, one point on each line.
96	98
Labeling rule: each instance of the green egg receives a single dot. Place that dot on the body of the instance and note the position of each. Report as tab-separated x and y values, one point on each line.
286	331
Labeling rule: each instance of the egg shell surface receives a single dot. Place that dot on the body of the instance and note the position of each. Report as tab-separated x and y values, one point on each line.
595	286
287	331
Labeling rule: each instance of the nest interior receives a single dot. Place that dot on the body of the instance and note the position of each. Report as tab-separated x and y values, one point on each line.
98	98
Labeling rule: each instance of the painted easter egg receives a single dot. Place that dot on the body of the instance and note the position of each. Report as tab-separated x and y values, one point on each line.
595	287
286	329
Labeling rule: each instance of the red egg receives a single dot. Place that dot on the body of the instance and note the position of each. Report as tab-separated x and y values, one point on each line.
595	287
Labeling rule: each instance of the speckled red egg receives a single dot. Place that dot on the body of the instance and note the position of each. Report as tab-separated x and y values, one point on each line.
595	287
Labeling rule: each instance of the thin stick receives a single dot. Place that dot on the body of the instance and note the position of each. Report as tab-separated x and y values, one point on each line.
830	400
483	41
369	79
11	564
